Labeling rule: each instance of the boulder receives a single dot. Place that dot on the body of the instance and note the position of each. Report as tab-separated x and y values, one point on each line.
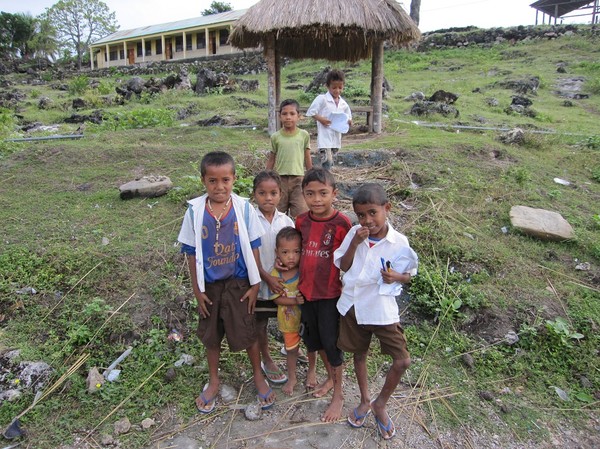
515	136
541	223
444	97
205	80
147	186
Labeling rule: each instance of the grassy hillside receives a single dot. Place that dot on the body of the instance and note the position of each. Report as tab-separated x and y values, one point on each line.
107	273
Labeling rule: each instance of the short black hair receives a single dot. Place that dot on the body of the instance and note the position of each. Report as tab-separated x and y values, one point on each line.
318	174
216	158
335	75
287	233
289	102
264	176
370	193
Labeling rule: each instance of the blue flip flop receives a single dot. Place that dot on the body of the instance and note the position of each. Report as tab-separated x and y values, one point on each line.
212	401
263	398
358	417
383	428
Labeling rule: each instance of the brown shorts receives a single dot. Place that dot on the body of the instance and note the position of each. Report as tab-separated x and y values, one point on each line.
356	337
291	196
228	316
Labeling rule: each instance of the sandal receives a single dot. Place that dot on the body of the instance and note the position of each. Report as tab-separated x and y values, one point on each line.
263	398
212	402
384	430
358	417
271	375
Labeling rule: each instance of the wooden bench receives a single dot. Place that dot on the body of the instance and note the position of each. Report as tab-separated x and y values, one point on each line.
367	110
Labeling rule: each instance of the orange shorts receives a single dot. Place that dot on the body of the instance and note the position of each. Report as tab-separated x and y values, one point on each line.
291	340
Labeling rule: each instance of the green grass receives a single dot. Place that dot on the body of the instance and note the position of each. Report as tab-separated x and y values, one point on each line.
89	254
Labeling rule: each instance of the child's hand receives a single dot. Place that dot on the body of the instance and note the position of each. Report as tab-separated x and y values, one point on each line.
274	284
325	122
393	276
300	298
279	266
203	301
361	235
251	295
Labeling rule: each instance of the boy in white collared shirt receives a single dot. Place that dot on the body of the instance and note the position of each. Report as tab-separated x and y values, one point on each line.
377	260
329	141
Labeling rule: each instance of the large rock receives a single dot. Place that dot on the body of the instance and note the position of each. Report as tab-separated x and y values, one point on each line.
541	223
148	186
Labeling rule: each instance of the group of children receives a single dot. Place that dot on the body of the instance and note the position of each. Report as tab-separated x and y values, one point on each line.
238	254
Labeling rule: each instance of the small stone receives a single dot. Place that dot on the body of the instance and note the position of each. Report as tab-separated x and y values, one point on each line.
253	411
122	426
585	382
511	337
170	375
585	266
486	395
504	408
107	440
228	393
467	359
147	423
10	395
185	359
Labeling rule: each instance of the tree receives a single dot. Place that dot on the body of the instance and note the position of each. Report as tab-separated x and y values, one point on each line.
44	43
16	32
217	7
79	22
415	8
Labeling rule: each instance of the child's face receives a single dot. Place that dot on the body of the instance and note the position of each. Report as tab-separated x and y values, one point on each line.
289	117
319	198
336	88
373	217
288	252
267	196
218	181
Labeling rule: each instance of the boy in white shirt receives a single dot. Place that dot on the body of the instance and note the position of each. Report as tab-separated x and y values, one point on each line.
329	141
377	260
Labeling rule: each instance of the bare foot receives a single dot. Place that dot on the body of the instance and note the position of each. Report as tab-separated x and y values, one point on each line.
323	388
334	411
288	388
311	381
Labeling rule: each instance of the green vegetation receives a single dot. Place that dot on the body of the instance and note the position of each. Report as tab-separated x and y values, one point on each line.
107	273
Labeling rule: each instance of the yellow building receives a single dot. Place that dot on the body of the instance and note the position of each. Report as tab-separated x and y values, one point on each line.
190	38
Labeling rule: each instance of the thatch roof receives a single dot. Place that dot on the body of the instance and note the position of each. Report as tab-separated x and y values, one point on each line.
330	29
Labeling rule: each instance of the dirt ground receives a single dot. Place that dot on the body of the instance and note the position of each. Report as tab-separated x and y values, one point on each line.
294	423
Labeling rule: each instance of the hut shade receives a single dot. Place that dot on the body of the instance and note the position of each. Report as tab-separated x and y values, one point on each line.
330	29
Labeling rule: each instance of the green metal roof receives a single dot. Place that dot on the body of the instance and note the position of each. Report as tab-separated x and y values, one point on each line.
150	30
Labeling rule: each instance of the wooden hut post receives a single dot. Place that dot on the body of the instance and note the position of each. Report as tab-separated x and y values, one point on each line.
377	85
270	56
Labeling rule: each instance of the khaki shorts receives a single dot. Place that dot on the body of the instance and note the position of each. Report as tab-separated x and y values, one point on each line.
356	338
291	196
228	316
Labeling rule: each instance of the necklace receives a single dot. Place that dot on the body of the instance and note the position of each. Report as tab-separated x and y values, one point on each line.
218	219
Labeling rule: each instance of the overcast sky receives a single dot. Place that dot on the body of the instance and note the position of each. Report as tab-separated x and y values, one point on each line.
435	14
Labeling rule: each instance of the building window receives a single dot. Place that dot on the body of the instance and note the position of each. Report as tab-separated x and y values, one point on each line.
188	42
158	47
200	40
148	48
122	54
178	43
114	55
223	36
139	49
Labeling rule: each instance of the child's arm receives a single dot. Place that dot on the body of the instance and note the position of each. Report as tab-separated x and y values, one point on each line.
200	296
252	293
285	301
360	236
273	282
271	161
307	159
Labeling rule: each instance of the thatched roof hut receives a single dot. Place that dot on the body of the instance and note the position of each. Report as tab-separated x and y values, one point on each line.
337	30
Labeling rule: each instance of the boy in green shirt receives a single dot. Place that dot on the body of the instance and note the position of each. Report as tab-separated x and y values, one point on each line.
290	157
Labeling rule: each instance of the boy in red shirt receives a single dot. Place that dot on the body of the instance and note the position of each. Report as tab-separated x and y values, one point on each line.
323	229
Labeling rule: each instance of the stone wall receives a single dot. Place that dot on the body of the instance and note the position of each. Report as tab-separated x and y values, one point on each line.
462	37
